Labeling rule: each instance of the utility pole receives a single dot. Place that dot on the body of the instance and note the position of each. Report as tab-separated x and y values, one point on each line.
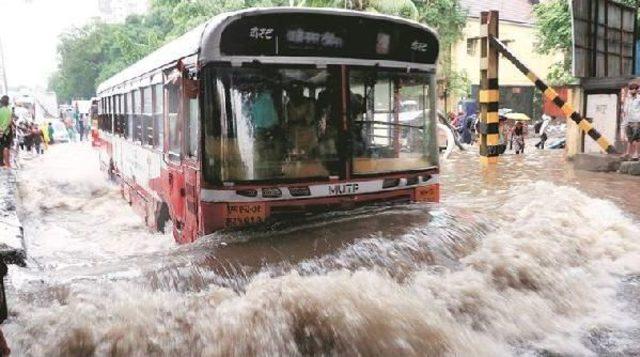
489	96
4	88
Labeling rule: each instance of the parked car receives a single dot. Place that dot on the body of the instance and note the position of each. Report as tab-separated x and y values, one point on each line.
60	134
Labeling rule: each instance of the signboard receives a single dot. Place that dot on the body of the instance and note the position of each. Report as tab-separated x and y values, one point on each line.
324	35
604	37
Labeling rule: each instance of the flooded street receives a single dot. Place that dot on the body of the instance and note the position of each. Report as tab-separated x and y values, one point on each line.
527	258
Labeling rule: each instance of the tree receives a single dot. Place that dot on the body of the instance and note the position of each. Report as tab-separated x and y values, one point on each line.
449	19
554	34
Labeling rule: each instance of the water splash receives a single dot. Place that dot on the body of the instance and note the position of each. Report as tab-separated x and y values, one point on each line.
529	268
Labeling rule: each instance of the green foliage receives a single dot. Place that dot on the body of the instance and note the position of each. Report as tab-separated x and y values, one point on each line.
449	19
553	23
93	53
554	34
560	74
446	16
628	2
458	83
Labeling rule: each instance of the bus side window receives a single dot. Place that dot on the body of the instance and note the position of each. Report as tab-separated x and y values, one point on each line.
109	115
193	116
114	117
116	114
100	113
106	113
120	117
129	101
158	116
173	97
147	117
137	116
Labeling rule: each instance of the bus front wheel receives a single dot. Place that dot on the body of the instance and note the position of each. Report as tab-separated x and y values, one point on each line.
162	217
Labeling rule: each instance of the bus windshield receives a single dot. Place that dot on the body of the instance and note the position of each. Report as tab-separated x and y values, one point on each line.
392	129
281	123
286	123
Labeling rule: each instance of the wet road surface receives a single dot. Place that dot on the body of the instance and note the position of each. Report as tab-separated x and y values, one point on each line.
527	258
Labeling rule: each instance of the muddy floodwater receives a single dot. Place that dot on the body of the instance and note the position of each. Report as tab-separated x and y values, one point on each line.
527	258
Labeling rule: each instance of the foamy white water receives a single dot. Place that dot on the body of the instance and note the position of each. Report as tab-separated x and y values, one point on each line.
512	265
73	216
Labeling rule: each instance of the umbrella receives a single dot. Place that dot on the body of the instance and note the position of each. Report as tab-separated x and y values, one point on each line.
517	116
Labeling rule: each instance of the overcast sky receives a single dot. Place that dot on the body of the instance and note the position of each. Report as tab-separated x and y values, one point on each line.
29	32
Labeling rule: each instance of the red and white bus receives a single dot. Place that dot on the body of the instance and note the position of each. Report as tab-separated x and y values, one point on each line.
267	112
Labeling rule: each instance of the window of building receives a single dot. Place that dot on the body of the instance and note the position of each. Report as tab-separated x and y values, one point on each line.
472	46
158	118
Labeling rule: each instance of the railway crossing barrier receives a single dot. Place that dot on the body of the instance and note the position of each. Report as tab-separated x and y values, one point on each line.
489	96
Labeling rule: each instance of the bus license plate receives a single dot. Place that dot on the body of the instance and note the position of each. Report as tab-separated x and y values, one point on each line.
242	214
429	193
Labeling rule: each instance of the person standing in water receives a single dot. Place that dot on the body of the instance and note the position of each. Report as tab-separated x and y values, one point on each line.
6	119
543	131
50	131
517	138
631	122
80	126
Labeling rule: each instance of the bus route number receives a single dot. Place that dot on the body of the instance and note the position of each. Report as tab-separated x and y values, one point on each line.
242	214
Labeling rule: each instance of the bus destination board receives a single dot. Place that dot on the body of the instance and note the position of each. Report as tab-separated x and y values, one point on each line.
321	35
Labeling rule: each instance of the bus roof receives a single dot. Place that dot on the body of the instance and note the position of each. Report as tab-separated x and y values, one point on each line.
204	41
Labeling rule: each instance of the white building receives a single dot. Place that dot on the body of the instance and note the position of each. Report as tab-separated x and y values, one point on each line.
116	11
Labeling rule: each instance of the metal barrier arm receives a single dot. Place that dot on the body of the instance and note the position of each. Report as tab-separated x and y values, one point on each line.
553	96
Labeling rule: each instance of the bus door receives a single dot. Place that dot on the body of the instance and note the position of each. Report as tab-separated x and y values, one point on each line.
175	189
191	134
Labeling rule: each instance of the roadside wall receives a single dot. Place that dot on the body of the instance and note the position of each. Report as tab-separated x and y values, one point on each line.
11	239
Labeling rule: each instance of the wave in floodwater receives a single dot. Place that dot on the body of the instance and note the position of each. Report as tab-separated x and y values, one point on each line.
547	271
73	217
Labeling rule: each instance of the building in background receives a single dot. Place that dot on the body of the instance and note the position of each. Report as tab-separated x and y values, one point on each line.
116	11
517	31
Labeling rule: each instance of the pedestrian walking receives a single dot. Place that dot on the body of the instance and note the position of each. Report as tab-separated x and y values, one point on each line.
6	137
631	122
80	126
50	131
517	138
20	134
37	137
543	131
70	129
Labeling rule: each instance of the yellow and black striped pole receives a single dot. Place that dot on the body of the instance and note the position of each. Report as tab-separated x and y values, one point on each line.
489	95
553	96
